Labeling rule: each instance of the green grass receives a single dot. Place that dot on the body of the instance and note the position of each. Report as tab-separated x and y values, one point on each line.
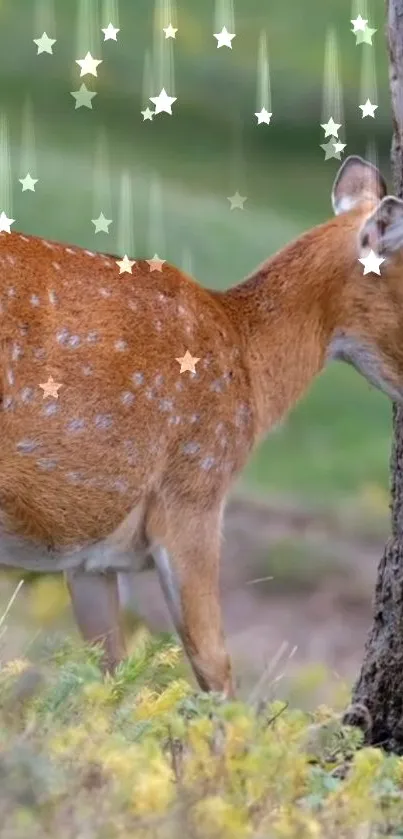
142	755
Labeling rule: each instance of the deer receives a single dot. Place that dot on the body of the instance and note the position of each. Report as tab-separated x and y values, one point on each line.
131	455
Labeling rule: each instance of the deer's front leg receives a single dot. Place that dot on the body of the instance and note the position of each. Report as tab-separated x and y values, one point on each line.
95	601
188	567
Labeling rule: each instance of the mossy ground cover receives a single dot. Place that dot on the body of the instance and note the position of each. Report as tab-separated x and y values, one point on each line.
142	755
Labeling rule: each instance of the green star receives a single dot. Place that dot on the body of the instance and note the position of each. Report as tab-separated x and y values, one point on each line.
330	150
365	36
237	201
28	183
83	97
44	44
101	223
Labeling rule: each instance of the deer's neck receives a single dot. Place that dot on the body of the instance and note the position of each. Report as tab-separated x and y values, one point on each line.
287	312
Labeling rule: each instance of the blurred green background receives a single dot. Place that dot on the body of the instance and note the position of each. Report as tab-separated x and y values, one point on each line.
181	168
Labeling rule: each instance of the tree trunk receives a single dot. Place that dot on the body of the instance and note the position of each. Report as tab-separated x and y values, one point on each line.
377	701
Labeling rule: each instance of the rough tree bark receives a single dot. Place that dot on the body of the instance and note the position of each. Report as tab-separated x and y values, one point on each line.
377	701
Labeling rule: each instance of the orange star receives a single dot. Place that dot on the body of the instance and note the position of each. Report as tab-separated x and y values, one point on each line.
187	362
155	263
50	388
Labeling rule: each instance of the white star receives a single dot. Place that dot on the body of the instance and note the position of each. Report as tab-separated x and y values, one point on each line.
237	201
339	147
125	264
110	33
263	116
163	102
28	183
147	114
224	38
170	32
331	128
101	223
44	44
88	65
368	110
155	263
359	24
371	263
5	223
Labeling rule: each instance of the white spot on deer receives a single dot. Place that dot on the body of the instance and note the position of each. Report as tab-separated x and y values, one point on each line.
191	448
39	353
47	464
17	352
216	386
92	337
90	253
27	394
69	250
138	378
23	330
178	385
8	404
56	265
62	336
74	341
75	477
207	463
52	297
75	425
188	329
174	420
87	370
181	310
48	245
194	418
162	297
166	404
131	452
107	262
242	416
35	300
119	485
207	362
103	420
24	238
10	376
50	409
105	292
26	446
10	259
127	398
158	325
132	305
120	345
11	292
159	380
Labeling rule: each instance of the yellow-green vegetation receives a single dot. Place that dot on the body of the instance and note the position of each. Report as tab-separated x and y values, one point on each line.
142	755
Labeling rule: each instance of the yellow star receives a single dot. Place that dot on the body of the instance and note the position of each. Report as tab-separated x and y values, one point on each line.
125	264
50	388
187	362
155	263
88	65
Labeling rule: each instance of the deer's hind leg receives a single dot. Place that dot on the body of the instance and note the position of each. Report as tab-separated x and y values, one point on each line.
95	601
187	560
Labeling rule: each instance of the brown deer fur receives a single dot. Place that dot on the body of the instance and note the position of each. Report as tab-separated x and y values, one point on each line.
134	456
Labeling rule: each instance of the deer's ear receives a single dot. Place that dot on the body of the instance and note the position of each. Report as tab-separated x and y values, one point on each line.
356	181
382	231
